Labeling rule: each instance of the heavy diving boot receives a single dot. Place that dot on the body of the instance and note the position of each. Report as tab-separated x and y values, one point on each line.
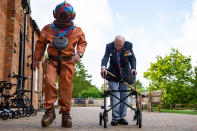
48	117
66	120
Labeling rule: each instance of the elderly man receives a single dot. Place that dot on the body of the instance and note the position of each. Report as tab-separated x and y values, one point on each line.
121	57
66	45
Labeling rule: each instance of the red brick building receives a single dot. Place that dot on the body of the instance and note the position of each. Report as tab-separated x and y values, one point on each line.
18	34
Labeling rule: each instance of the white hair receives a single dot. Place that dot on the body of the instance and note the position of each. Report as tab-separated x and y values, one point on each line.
120	38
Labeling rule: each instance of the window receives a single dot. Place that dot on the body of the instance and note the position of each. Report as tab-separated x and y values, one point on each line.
36	80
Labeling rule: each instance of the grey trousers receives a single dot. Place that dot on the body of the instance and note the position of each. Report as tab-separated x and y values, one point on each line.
119	111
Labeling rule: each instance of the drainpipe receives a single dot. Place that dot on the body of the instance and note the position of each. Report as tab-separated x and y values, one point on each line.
24	46
32	60
20	62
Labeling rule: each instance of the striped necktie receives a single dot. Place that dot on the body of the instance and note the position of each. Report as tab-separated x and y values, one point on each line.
119	65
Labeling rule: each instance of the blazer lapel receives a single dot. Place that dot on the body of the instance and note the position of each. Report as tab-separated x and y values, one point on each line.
114	53
122	53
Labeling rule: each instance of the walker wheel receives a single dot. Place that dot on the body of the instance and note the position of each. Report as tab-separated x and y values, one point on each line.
134	118
11	115
100	118
17	114
33	111
27	112
105	119
139	119
4	115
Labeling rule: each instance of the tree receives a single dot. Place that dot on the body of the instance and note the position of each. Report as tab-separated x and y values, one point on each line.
193	91
195	78
174	74
81	79
140	87
92	92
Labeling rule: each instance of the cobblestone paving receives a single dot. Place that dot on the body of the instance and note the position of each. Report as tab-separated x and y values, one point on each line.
87	119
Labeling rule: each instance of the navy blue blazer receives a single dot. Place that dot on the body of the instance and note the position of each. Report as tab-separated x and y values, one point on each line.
127	59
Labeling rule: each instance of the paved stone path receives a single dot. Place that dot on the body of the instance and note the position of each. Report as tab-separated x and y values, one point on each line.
87	119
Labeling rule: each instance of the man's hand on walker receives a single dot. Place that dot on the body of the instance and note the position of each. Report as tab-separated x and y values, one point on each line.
103	72
76	57
133	71
35	65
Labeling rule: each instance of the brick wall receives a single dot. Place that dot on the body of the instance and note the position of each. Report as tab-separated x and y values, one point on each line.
11	24
3	20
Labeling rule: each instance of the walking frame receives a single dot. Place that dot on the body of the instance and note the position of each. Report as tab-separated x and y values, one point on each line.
133	91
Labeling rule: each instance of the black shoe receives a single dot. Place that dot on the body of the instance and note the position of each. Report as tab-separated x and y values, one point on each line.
114	123
123	122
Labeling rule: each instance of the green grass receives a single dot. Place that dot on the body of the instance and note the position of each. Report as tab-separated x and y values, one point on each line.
192	112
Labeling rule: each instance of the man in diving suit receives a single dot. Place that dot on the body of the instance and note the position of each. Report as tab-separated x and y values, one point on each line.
66	45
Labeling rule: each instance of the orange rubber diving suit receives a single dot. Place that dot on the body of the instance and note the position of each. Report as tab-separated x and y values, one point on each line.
76	41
